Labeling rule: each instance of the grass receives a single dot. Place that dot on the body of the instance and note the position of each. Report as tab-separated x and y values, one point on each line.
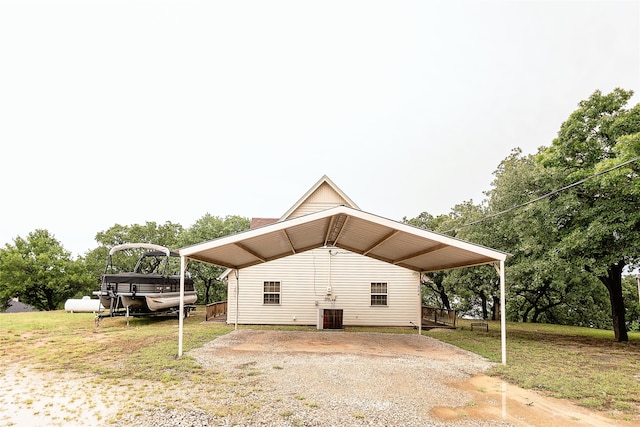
581	364
584	365
64	341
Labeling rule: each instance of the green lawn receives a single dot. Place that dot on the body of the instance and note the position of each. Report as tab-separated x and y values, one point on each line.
147	348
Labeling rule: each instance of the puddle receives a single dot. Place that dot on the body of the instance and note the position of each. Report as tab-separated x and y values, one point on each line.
495	399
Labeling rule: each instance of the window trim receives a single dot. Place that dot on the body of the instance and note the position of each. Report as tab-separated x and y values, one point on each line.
268	294
378	294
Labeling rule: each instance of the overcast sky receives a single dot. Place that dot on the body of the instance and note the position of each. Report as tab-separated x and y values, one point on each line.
122	112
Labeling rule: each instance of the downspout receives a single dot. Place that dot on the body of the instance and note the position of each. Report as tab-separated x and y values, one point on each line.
181	312
237	294
329	285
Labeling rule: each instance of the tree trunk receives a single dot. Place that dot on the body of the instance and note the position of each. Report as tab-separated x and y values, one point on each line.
443	296
536	314
613	282
483	303
495	308
525	315
207	286
51	305
436	286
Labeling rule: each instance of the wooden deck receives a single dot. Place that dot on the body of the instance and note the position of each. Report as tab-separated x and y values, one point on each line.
216	311
218	319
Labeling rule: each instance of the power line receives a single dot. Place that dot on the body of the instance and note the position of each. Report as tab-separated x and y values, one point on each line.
575	184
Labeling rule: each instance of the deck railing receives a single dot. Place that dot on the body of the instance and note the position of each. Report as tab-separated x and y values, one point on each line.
215	309
439	315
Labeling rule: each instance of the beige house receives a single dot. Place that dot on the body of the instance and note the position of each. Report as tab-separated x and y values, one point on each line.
327	286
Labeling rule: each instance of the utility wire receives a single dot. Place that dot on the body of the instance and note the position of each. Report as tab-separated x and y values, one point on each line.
582	181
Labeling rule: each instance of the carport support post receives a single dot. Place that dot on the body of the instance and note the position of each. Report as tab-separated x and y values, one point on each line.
503	312
420	303
181	312
503	315
237	273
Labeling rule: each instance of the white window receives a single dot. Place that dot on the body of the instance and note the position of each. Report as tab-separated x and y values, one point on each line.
378	293
271	294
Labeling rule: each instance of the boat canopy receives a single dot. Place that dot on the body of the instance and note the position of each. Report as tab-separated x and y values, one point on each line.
149	246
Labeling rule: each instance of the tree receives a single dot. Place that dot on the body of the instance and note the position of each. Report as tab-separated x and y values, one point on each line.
94	262
630	287
205	276
546	284
437	295
550	289
173	236
432	282
160	234
538	278
478	288
600	218
40	272
471	288
477	291
167	234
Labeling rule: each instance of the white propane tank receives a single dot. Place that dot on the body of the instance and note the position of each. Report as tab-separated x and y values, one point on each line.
84	305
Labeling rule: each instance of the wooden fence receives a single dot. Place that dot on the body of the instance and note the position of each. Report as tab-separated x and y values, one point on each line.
215	309
439	315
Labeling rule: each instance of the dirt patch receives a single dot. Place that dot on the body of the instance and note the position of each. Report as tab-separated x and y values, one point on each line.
333	342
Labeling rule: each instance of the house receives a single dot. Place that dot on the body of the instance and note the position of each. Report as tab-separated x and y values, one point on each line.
326	286
327	263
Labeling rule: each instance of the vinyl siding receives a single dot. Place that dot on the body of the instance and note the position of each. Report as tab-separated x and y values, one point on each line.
304	279
323	198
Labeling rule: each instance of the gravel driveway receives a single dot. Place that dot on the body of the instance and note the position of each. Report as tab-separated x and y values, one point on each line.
333	378
277	378
337	378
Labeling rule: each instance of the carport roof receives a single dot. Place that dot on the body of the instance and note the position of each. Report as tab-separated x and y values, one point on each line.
349	229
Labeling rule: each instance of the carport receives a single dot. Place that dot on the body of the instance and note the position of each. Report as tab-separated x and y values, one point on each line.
353	230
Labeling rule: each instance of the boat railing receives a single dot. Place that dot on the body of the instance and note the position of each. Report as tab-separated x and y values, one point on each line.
215	309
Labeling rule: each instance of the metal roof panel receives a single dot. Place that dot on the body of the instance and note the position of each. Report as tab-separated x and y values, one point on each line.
349	229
